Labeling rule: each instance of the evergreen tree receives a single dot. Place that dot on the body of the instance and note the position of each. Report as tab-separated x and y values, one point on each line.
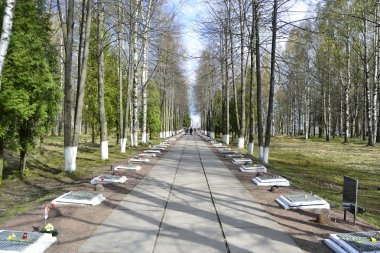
154	112
30	96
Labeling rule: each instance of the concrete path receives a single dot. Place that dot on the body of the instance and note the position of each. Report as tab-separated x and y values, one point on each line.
189	202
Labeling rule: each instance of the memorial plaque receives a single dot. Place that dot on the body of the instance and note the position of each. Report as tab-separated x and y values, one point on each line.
362	241
350	196
12	240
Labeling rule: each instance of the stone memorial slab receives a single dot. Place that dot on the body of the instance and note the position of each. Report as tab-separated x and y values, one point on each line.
147	155
152	151
302	201
235	155
241	160
356	242
139	160
254	168
25	242
79	198
108	179
270	180
126	167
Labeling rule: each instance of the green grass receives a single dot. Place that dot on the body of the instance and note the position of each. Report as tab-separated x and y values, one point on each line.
318	166
45	174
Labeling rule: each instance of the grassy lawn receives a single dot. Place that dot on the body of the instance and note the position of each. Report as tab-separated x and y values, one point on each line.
318	166
45	173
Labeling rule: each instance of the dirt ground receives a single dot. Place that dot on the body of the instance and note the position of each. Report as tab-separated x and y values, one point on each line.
75	224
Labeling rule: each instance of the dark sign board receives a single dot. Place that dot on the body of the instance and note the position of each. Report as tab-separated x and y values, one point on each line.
350	196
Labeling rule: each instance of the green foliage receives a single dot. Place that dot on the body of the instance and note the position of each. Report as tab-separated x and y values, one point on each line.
154	111
186	120
30	97
111	92
111	89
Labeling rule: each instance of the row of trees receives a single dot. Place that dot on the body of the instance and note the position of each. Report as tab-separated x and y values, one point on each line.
324	82
89	66
233	64
330	74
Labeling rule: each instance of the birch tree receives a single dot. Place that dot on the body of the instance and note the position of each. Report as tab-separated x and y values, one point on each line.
250	148
6	33
145	68
68	42
135	74
241	131
271	84
102	111
82	74
258	83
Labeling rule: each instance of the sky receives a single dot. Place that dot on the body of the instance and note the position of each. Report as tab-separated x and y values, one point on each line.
189	14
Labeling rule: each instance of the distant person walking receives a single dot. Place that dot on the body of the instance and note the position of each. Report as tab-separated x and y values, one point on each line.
191	131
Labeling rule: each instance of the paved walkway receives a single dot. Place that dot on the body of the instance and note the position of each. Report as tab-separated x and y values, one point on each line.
189	202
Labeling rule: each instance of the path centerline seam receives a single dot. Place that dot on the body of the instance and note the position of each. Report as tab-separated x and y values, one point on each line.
212	201
167	200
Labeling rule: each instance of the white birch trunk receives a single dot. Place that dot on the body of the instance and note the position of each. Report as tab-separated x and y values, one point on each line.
347	88
102	111
6	33
120	79
104	150
123	145
145	69
376	77
250	148
70	158
266	155
242	84
261	153
135	74
226	138
68	42
241	142
307	112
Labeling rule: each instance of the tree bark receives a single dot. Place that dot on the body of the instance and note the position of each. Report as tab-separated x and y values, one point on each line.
347	88
135	74
145	69
81	86
233	67
242	98
69	40
120	80
271	84
22	161
102	111
376	75
227	88
251	87
307	111
6	33
367	85
258	83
